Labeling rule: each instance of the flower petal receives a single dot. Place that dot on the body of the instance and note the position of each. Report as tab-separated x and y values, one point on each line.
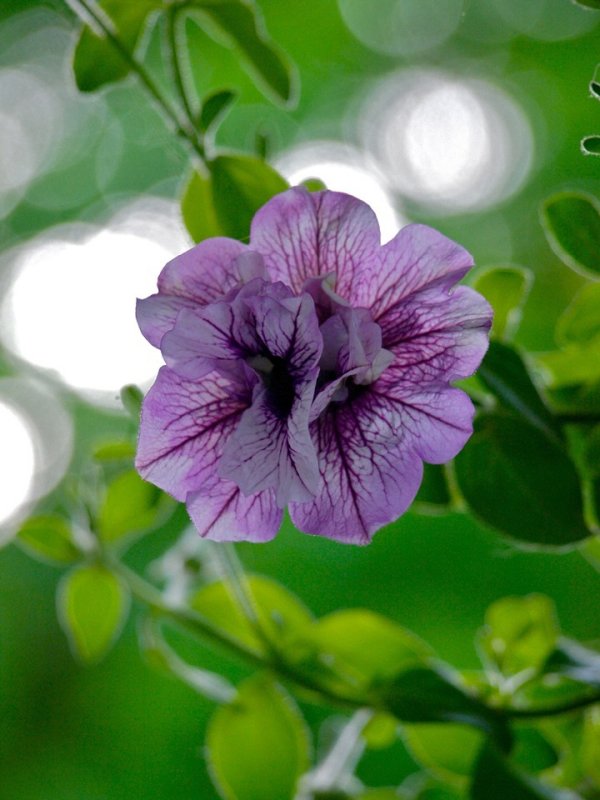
369	476
156	315
418	257
267	451
302	235
184	428
438	335
222	513
207	271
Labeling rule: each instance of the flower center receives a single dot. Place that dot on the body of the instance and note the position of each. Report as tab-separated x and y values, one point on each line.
275	377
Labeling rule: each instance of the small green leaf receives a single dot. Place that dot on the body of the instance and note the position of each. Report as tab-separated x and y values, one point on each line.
114	451
130	505
281	613
532	751
571	222
92	607
132	398
519	634
363	645
580	322
241	185
590	145
574	364
380	794
96	61
258	745
425	694
381	731
590	746
448	751
198	209
496	779
314	184
215	108
50	539
241	25
504	373
506	289
520	482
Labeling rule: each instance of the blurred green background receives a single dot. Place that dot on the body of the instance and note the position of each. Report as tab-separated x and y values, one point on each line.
121	730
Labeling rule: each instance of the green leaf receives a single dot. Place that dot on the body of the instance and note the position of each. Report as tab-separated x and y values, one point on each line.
381	731
241	185
280	612
215	108
506	289
364	646
495	779
241	25
580	322
448	751
590	747
96	60
594	4
590	145
92	607
258	745
571	222
519	634
50	539
379	794
313	184
520	482
114	451
434	494
130	505
574	364
532	751
504	373
198	209
132	398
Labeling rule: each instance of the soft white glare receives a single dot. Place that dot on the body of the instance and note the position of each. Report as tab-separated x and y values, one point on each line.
17	461
402	27
450	144
342	168
71	305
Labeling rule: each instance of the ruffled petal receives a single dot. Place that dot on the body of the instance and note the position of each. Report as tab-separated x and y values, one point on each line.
222	513
184	428
418	257
209	270
267	451
369	477
438	335
302	235
156	315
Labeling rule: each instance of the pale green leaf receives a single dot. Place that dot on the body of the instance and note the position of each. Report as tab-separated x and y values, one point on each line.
50	539
506	289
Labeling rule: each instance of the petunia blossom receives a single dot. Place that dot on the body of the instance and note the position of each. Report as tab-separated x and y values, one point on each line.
310	369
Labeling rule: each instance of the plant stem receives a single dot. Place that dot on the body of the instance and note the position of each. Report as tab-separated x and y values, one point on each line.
341	760
105	26
173	37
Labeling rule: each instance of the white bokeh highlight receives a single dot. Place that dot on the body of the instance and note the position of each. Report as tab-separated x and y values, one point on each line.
70	306
451	144
342	168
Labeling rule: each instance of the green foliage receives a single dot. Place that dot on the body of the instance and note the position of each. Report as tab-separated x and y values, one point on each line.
590	145
280	612
92	606
519	634
97	61
130	505
214	109
520	482
50	539
594	4
496	779
132	398
258	745
580	321
434	493
241	25
448	751
380	731
504	373
571	222
224	202
506	289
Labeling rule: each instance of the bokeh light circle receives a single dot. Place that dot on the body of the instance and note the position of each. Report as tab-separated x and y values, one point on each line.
402	27
37	445
342	168
450	144
70	307
548	20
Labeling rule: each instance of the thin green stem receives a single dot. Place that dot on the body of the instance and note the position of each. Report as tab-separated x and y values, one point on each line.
103	23
340	762
555	711
175	33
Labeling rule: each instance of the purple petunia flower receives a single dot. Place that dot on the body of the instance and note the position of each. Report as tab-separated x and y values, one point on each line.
310	368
